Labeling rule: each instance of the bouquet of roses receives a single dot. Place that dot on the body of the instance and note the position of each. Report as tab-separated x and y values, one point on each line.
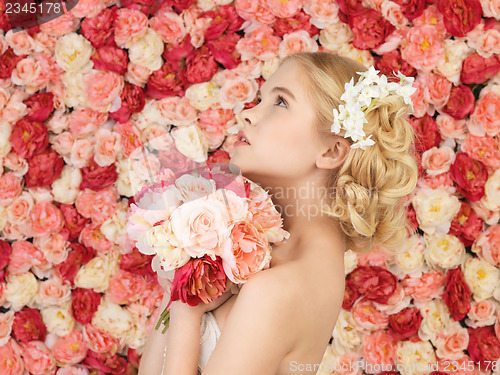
209	229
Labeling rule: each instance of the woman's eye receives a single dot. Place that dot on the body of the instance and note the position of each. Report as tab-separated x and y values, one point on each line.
258	100
281	100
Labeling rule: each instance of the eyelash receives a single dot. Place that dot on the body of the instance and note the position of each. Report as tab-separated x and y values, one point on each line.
280	99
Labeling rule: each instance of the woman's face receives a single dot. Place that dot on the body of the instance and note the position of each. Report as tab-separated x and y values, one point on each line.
283	140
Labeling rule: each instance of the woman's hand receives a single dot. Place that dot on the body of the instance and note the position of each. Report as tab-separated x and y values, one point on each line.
178	307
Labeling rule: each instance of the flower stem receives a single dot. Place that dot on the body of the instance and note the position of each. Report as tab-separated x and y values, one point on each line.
165	319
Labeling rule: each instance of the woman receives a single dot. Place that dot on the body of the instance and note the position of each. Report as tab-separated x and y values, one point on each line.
283	317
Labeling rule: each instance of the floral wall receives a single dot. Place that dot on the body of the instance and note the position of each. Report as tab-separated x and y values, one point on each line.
79	93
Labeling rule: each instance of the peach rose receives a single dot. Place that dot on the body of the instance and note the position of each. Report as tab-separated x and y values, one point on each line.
107	147
368	317
488	216
18	165
19	210
297	41
45	218
125	287
254	10
378	348
99	341
53	291
21	42
491	8
85	121
91	236
26	73
10	188
438	160
437	90
483	149
432	17
130	137
6	320
426	287
137	74
129	24
44	41
487	245
81	152
73	370
391	11
261	43
482	313
424	49
98	206
88	8
420	104
70	349
61	25
451	128
23	256
11	362
485	42
178	111
323	13
53	246
169	25
284	9
38	359
236	92
453	343
486	116
62	143
433	182
103	89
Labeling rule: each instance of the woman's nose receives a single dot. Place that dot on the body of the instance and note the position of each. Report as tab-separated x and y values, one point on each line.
246	118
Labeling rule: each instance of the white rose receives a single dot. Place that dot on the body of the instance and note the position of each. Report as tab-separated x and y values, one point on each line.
190	141
236	207
67	185
335	36
414	358
190	187
350	261
346	338
20	290
73	52
410	259
147	50
435	209
203	95
113	319
436	320
150	115
362	56
114	227
127	182
444	252
491	198
96	273
5	146
58	319
456	51
482	278
75	94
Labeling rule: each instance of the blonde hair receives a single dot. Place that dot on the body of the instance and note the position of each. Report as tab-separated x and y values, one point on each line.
371	184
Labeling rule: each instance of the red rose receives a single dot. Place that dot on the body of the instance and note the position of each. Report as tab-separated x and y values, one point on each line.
28	325
219	156
73	221
137	263
84	304
223	50
348	8
133	101
225	19
4	22
460	16
428	135
29	138
78	255
44	168
405	323
110	58
483	346
370	28
411	8
460	102
99	29
298	22
96	177
469	176
164	82
8	61
351	295
477	69
105	363
39	106
376	283
5	251
200	279
391	62
457	293
179	5
148	7
466	225
176	54
201	65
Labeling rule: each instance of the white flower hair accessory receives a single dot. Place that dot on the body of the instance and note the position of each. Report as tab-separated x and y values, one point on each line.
361	97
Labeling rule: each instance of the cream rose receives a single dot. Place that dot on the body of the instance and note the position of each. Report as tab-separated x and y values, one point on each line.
444	252
482	278
67	185
436	320
190	187
491	198
335	36
75	94
73	52
113	319
297	41
58	319
190	141
150	115
203	95
269	67
114	227
346	338
127	182
147	50
413	358
410	259
53	291
96	273
350	261
20	290
435	209
5	131
362	56
456	51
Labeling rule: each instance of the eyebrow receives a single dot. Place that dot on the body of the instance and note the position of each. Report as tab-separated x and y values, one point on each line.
280	89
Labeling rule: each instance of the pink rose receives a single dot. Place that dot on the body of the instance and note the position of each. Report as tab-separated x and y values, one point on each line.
85	121
366	316
107	147
97	206
169	26
73	221
70	349
483	149
38	359
284	9
129	24
17	164
301	21
10	188
177	110
412	8
487	245
454	343
61	25
224	21
379	348
125	287
103	89
6	320
482	313
53	291
62	143
23	256
260	43
91	236
438	160
437	90
451	128
110	58
486	116
53	246
45	218
99	341
11	362
426	287
424	49
254	10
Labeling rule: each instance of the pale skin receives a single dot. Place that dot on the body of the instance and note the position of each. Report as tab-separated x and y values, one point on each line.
285	314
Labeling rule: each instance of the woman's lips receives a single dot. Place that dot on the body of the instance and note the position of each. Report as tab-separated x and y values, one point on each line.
242	137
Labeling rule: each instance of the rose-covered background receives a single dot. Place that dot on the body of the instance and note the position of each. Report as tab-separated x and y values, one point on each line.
80	93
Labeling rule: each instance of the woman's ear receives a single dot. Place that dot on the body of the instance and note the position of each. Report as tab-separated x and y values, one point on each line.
334	153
